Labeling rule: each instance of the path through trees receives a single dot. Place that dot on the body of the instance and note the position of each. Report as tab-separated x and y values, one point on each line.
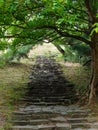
48	102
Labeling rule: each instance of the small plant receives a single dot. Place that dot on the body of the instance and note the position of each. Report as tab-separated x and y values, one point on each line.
2	63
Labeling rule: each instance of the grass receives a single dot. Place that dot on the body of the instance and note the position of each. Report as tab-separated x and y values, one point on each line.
13	79
78	75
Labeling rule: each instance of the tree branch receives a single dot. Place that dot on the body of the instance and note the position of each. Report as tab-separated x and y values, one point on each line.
15	25
65	34
87	3
33	8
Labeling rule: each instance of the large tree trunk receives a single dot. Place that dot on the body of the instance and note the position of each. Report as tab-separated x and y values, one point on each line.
94	80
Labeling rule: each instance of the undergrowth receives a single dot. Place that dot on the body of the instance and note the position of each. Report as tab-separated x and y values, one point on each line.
79	75
13	79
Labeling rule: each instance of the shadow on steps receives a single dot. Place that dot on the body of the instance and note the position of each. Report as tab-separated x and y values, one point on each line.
47	84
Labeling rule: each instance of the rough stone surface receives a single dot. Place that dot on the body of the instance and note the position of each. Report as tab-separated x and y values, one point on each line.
47	84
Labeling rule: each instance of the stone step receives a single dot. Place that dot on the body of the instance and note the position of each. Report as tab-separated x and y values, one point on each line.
79	115
75	111
52	90
46	101
63	91
58	126
32	116
46	86
84	125
30	122
82	120
49	95
77	120
23	117
78	128
20	122
39	122
59	119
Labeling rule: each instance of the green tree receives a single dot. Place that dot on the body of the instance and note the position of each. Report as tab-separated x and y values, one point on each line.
32	21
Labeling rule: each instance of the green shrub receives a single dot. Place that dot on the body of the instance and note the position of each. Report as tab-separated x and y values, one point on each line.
76	53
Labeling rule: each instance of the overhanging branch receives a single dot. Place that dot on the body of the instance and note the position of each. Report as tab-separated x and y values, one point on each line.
14	25
65	34
56	29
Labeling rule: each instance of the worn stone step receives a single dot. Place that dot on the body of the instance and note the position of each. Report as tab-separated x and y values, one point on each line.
23	117
80	125
32	116
85	125
63	96
59	119
81	120
45	103
20	122
49	100
78	114
46	95
84	128
58	126
39	122
36	121
28	127
30	122
54	92
53	80
48	87
77	120
66	102
75	111
51	97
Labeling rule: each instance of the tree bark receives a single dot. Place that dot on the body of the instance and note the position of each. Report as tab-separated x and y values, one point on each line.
94	80
59	48
92	13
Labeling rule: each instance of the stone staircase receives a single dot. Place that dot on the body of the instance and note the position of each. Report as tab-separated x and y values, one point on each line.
57	117
47	84
49	102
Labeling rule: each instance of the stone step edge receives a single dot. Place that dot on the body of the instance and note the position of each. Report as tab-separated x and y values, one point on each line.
60	125
57	124
44	121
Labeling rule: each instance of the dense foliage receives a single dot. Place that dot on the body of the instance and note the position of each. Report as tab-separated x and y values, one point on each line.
25	22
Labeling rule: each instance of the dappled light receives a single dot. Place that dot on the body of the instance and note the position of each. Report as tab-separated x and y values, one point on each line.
69	64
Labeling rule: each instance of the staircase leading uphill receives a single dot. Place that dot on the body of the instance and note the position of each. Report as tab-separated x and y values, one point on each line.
46	103
47	84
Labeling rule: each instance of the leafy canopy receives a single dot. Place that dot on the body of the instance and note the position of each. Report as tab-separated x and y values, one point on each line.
31	21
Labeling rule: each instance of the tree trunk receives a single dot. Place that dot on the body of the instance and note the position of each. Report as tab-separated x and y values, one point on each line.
94	80
59	48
